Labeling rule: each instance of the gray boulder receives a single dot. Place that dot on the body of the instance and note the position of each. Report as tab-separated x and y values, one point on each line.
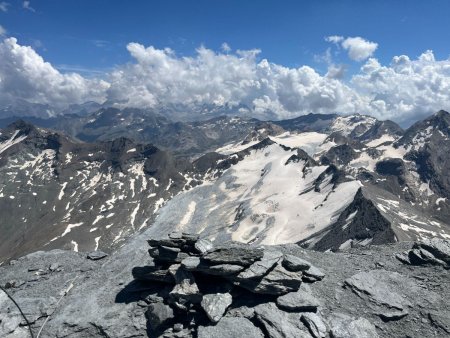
185	290
159	316
440	248
313	274
215	305
300	301
279	324
191	263
167	254
293	263
96	255
203	245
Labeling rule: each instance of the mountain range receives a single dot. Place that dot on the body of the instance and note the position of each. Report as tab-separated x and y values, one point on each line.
327	182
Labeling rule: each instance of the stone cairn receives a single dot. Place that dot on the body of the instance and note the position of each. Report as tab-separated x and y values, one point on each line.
193	286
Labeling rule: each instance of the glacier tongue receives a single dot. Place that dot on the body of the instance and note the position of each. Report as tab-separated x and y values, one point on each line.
265	198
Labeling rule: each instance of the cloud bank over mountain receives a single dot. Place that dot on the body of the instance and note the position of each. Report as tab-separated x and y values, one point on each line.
25	75
404	90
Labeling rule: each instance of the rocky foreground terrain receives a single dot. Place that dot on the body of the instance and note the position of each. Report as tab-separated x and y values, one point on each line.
187	287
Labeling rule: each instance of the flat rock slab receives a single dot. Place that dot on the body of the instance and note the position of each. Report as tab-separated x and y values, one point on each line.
221	269
203	245
388	316
278	281
230	327
300	301
260	268
343	326
382	287
94	255
234	254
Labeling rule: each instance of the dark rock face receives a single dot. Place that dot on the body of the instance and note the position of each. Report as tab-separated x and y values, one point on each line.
341	155
361	223
381	128
428	144
391	167
310	122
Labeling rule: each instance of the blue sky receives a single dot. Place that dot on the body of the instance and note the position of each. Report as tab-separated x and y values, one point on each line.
93	33
92	38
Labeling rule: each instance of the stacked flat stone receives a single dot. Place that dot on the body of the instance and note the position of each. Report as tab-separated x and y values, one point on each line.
204	282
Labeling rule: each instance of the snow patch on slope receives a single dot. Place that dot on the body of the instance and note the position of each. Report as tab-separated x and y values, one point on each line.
12	141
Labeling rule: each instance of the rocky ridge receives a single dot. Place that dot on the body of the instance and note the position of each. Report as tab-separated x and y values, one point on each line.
191	288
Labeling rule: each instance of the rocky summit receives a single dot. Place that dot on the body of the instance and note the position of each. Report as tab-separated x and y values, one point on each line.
185	286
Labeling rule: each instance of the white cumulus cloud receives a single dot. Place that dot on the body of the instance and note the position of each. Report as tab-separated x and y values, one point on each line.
25	75
358	49
2	31
159	77
404	90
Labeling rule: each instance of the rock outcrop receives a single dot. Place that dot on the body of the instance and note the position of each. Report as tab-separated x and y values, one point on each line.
433	251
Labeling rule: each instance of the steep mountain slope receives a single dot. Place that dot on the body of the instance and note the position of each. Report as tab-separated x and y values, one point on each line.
56	192
407	190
